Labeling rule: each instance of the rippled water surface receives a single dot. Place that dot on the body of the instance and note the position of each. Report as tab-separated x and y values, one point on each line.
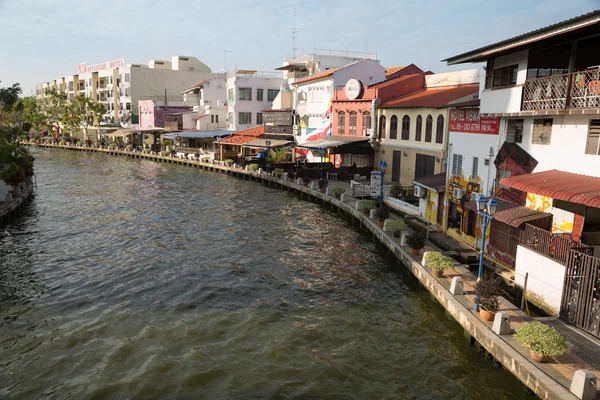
131	279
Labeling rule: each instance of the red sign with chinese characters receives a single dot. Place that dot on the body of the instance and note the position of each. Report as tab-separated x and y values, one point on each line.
469	121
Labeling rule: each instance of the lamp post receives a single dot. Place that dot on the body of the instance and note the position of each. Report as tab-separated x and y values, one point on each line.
268	143
382	169
219	144
486	208
321	150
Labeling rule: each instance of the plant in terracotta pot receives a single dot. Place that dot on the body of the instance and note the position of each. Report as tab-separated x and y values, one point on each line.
382	213
437	262
338	191
229	162
395	227
253	167
306	180
366	206
322	185
489	290
416	241
542	340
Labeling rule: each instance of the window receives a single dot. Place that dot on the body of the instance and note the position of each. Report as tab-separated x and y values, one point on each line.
457	165
418	128
475	171
394	127
428	128
216	118
271	94
245	94
352	123
128	106
514	131
259	118
405	128
259	94
212	119
127	77
341	123
126	92
439	130
230	95
542	131
230	118
366	123
593	139
110	79
504	76
382	127
245	118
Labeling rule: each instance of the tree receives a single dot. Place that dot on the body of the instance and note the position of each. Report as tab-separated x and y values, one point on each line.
9	96
55	107
24	115
81	113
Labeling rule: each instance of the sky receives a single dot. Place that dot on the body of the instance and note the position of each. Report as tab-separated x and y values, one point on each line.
46	39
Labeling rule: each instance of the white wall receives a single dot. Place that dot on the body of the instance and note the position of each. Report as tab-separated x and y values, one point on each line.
546	276
471	145
509	99
366	71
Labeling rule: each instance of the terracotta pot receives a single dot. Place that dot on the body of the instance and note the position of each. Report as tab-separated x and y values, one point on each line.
396	234
437	273
367	211
538	357
380	223
415	252
486	315
338	195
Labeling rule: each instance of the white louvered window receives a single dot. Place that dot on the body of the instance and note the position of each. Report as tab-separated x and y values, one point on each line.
475	171
593	139
457	165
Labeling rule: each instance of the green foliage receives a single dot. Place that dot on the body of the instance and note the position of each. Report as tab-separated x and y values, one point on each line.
382	213
541	339
338	191
112	146
146	151
366	204
278	155
489	290
394	226
12	174
129	147
437	261
396	190
278	172
63	142
229	162
205	159
253	167
416	240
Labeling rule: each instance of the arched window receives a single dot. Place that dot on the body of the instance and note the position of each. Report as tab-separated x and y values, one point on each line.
341	128
405	128
366	123
352	123
382	127
394	127
428	128
419	128
439	130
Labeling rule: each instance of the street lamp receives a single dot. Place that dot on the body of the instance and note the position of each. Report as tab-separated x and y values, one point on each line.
321	150
382	169
219	146
486	208
268	143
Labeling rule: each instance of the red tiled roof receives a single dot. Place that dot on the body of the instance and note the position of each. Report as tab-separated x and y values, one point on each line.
254	131
559	185
513	214
392	81
321	75
433	97
392	70
196	86
244	136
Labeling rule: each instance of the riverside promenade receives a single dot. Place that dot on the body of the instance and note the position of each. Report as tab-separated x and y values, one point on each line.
548	380
10	208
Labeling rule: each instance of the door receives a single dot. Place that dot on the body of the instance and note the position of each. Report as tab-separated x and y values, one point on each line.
396	166
424	165
440	209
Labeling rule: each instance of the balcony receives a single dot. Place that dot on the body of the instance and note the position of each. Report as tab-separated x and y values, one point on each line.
578	90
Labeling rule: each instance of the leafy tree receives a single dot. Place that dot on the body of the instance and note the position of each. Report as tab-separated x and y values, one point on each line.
24	115
9	96
55	107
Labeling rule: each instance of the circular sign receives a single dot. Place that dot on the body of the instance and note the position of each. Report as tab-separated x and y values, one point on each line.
353	89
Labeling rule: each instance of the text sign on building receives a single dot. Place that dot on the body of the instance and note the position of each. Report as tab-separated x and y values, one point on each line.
352	89
83	68
469	121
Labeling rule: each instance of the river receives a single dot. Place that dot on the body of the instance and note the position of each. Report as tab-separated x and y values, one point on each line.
132	279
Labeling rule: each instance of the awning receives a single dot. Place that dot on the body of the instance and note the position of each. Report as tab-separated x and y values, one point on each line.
261	143
559	185
197	134
513	214
332	141
121	132
435	183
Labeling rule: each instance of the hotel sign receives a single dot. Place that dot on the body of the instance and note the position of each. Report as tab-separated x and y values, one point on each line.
469	121
83	68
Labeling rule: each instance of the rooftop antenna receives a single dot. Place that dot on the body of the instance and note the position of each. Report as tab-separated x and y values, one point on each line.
225	52
294	48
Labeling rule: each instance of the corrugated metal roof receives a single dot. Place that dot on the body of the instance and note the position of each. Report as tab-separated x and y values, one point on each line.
314	77
560	185
432	97
262	143
198	134
196	86
512	214
435	182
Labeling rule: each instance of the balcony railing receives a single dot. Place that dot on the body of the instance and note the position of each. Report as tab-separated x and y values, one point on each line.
558	92
549	244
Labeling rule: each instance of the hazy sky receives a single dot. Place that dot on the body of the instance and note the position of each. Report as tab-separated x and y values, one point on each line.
46	39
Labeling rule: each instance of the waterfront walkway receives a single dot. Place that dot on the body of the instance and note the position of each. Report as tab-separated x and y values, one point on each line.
548	380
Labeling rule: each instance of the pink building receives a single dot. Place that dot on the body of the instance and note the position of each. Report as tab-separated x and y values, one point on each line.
152	114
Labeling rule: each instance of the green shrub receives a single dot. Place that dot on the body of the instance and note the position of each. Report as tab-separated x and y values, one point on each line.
205	159
366	204
253	167
541	339
229	162
129	147
63	142
112	146
278	172
416	240
382	213
147	151
394	226
338	191
396	190
437	261
489	290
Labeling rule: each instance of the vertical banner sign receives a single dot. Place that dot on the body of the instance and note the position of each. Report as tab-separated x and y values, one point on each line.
375	183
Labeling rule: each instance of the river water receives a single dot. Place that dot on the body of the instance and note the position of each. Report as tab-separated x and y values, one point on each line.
132	279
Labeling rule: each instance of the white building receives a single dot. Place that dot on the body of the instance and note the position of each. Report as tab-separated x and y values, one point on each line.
248	93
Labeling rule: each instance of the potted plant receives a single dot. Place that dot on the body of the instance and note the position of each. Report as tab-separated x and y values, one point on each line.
253	167
205	159
323	185
366	206
129	147
543	341
229	162
437	262
112	146
394	226
278	172
382	213
396	190
416	241
63	142
489	290
306	180
338	191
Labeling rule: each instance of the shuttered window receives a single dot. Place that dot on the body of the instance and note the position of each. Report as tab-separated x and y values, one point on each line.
457	165
514	131
542	131
593	140
475	171
394	127
405	128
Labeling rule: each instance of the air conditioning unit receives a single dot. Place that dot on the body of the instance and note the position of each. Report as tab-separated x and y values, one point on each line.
474	196
420	191
458	193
